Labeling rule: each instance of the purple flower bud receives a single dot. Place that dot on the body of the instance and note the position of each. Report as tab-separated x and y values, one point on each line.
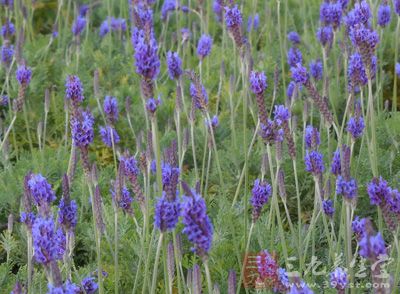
104	28
199	96
23	75
233	17
325	36
312	137
174	64
281	114
197	225
331	14
109	135
74	89
118	24
78	26
356	71
68	214
204	46
152	104
397	68
166	213
7	52
336	163
67	288
110	107
147	61
283	284
89	285
8	30
314	162
9	4
396	4
40	190
261	193
300	74
125	200
48	242
347	188
258	82
218	9
82	129
358	226
294	56
294	38
383	15
316	69
378	191
339	279
355	126
28	218
83	10
168	5
328	208
372	246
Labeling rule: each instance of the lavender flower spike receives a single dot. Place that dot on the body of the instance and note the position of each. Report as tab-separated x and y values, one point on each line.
258	85
174	65
261	193
204	46
166	214
233	18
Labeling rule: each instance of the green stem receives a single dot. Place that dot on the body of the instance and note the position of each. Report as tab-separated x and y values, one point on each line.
208	276
155	269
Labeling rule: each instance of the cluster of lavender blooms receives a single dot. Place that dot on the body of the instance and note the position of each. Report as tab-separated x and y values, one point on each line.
261	193
388	200
49	237
112	24
234	20
7	49
204	46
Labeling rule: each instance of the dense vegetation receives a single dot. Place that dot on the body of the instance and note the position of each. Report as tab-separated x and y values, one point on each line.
199	146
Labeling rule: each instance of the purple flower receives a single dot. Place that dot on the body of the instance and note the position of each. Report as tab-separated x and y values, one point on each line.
109	135
130	166
110	107
331	14
166	213
356	71
147	61
4	100
204	46
292	90
258	82
118	24
233	17
174	64
358	226
28	218
214	122
300	74
283	281
372	246
253	24
294	56
355	126
271	132
328	208
89	285
218	9
325	36
186	34
336	163
7	3
396	5
74	89
83	10
378	191
169	175
40	190
67	288
168	5
314	162
383	15
199	96
8	29
7	52
312	137
68	214
397	68
294	38
339	279
23	75
104	28
78	25
261	193
281	114
82	129
152	104
316	69
347	188
48	242
125	200
365	40
197	225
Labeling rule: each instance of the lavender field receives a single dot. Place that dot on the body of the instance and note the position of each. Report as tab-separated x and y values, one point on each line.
210	146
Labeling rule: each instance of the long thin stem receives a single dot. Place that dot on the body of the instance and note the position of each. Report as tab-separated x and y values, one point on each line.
155	269
208	276
245	252
396	54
